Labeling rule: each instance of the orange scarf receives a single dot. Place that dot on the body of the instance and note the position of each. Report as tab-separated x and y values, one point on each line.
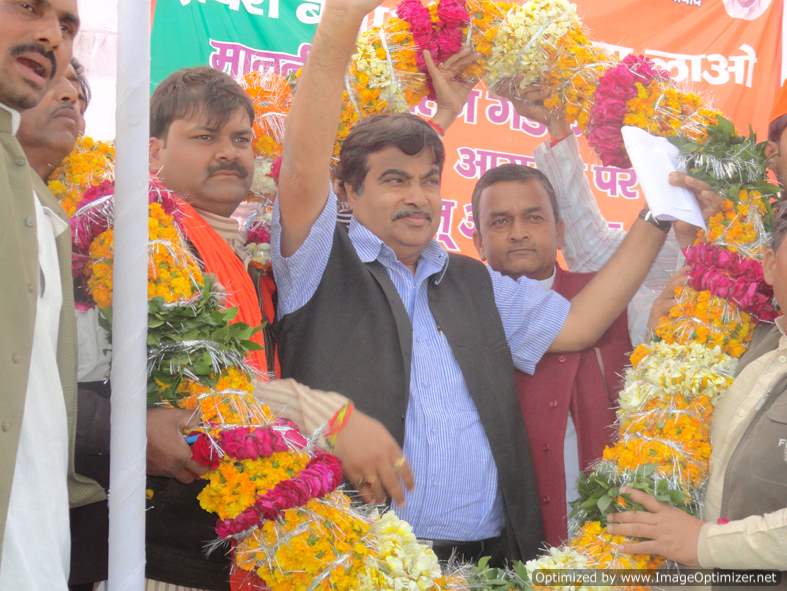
220	260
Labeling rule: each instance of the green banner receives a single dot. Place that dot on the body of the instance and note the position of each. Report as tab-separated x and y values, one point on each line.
234	36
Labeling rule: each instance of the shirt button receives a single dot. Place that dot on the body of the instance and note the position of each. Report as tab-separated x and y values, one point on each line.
546	499
5	426
16	358
782	358
561	359
20	161
553	404
30	288
29	222
546	447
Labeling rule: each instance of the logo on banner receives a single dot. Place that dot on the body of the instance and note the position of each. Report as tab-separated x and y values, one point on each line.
689	2
307	12
747	10
237	60
712	68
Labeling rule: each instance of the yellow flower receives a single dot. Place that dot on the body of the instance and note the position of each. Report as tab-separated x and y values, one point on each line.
324	538
88	165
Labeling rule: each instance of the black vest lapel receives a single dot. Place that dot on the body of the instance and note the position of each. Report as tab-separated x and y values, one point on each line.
404	326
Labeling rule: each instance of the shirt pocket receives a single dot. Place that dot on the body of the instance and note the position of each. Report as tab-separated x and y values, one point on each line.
770	461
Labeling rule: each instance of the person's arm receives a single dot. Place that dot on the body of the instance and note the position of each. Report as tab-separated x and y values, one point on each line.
609	292
313	121
367	450
755	542
309	409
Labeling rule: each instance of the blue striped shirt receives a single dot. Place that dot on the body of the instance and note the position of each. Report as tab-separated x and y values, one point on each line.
456	496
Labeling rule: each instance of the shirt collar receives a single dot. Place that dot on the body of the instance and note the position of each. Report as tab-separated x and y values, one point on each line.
4	122
549	281
781	324
370	248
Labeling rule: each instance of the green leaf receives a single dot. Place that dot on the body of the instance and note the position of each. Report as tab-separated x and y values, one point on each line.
603	503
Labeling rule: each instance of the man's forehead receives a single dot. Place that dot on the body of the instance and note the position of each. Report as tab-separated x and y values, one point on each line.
201	117
392	156
509	195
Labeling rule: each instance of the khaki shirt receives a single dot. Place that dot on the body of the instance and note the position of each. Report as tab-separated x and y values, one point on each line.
20	273
758	541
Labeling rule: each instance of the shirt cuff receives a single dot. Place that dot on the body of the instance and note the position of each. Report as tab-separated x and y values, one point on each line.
308	408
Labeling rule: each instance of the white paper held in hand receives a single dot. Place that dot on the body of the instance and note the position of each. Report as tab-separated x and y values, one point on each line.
653	159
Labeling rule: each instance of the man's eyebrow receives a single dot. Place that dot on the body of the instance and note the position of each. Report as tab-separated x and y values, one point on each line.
397	171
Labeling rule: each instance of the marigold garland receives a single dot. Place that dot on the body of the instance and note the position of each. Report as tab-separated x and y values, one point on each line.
615	89
573	78
321	546
89	164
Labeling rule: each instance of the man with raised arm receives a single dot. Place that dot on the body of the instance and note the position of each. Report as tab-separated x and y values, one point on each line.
421	340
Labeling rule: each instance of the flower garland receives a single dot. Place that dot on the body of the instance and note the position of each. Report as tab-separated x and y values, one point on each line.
663	110
525	40
257	229
573	78
437	29
322	545
615	88
89	164
400	562
271	97
730	276
319	476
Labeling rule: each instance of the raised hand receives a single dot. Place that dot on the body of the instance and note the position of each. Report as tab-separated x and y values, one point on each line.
666	299
451	88
709	201
372	460
530	103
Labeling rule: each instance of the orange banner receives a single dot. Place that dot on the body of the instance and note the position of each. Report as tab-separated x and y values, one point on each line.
726	50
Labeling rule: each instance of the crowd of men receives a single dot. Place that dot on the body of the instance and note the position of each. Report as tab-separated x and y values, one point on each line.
481	388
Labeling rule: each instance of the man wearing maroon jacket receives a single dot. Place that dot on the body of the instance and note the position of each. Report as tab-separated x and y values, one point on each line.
568	403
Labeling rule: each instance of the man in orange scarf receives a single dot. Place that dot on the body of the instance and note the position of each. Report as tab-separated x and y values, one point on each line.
201	149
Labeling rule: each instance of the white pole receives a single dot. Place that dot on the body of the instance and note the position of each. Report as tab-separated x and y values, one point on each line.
130	302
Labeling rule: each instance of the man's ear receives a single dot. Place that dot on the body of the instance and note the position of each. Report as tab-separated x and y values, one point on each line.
338	188
769	266
478	241
154	151
771	149
561	234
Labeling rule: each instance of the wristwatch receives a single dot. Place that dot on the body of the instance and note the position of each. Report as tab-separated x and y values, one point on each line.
663	225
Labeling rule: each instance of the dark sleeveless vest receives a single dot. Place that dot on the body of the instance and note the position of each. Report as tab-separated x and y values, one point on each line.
354	336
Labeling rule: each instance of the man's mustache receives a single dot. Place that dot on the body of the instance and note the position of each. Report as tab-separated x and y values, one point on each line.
406	213
37	48
233	166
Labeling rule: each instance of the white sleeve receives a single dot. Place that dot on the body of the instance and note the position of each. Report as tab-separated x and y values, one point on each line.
94	356
589	242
